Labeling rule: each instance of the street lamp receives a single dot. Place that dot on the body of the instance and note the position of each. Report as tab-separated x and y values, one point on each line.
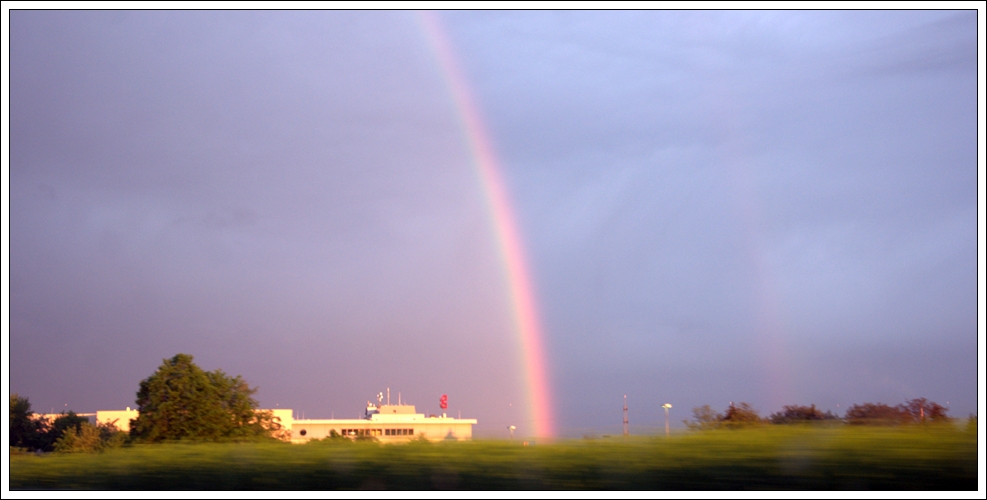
666	406
511	428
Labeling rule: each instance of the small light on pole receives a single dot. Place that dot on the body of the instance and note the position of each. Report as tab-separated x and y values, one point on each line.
666	406
511	428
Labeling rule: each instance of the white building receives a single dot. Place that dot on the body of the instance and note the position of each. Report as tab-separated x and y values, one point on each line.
384	422
387	424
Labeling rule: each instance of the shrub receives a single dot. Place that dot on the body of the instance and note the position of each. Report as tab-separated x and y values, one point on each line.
915	411
704	418
742	415
800	414
88	438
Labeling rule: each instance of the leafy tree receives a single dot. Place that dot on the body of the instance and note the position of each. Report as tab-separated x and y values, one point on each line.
800	414
919	410
704	418
55	429
875	414
741	415
182	401
25	430
29	431
923	410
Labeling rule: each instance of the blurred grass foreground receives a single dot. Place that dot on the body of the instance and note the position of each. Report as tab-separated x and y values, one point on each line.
935	457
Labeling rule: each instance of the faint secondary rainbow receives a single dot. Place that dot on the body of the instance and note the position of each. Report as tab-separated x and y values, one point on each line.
770	331
505	228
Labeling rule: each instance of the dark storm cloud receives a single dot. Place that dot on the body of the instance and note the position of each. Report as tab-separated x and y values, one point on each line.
718	206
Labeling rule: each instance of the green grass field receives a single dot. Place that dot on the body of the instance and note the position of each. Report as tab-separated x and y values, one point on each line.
772	457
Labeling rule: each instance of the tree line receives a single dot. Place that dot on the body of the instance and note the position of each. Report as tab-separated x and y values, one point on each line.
914	411
66	433
182	402
178	402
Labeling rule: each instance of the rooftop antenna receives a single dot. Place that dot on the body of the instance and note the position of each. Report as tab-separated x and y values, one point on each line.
399	398
625	414
388	396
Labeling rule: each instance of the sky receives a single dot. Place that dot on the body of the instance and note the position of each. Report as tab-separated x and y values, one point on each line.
772	207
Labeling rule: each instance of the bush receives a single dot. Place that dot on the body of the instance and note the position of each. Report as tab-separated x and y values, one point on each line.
800	414
88	438
742	415
85	439
704	418
915	411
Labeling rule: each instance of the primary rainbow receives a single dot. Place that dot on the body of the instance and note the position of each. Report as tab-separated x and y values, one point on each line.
505	229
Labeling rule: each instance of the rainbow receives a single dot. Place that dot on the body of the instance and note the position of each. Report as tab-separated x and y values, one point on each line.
522	297
770	329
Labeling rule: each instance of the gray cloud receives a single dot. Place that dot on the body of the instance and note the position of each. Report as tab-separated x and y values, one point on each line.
711	201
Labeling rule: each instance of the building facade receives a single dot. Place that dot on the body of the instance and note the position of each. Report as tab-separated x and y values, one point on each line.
385	423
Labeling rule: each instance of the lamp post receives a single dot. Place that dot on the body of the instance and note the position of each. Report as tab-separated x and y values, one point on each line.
666	406
511	428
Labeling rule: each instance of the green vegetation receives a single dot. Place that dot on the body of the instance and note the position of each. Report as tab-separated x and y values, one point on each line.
182	401
89	438
66	433
25	430
199	430
796	414
915	411
919	457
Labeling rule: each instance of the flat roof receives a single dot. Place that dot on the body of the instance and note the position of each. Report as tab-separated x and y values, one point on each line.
352	421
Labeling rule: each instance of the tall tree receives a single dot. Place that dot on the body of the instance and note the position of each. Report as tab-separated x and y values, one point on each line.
26	431
704	418
741	415
182	401
923	410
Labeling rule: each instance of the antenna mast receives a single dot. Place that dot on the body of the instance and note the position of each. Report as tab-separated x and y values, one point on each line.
625	414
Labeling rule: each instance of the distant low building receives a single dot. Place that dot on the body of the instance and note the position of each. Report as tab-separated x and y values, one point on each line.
50	417
120	418
387	424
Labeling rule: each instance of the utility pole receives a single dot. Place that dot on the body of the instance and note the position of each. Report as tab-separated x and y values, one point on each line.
625	415
666	406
